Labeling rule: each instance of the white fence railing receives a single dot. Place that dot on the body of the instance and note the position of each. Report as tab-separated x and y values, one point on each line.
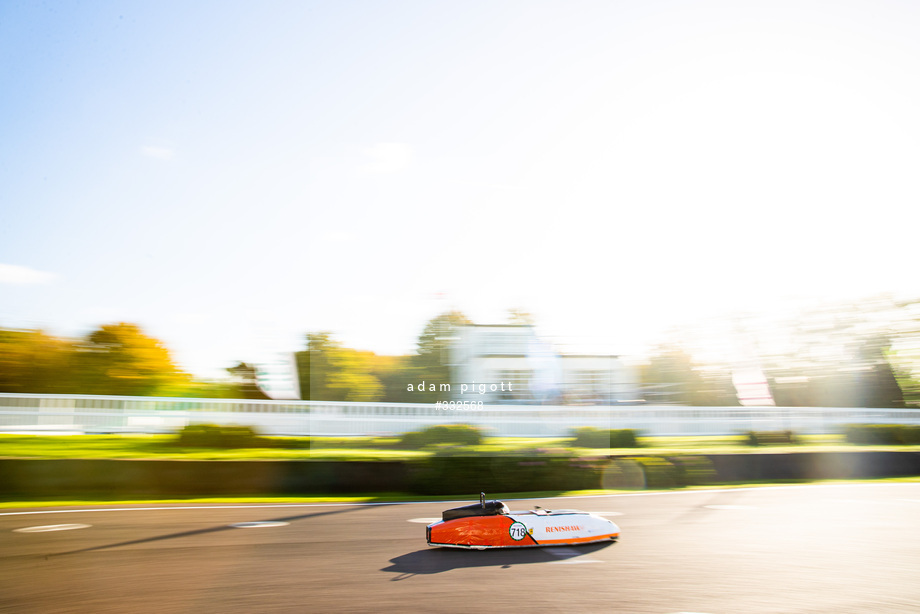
34	413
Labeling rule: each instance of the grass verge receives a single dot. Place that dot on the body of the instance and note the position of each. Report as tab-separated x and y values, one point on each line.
382	448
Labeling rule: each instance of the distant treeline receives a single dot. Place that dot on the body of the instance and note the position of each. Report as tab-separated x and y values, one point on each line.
671	376
835	359
115	359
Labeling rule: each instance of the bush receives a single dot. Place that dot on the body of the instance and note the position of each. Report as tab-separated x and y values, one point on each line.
462	434
883	434
623	474
694	470
446	474
216	436
910	435
449	472
659	472
766	438
591	437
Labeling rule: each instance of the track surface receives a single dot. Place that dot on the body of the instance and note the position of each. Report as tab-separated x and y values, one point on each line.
798	549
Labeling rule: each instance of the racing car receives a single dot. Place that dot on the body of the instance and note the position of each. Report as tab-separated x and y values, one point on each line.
490	524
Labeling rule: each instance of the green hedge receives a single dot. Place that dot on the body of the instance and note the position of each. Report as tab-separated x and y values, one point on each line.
462	434
767	438
659	472
694	470
446	473
910	435
885	434
217	436
591	437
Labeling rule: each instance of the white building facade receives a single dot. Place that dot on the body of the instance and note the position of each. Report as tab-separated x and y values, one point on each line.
510	364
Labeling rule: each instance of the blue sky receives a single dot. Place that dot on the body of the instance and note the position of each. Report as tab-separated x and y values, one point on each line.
231	176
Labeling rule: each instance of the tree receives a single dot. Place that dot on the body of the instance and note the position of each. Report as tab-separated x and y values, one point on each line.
394	374
119	359
714	389
840	355
880	385
431	362
521	317
670	377
859	354
31	361
330	372
313	367
247	384
34	362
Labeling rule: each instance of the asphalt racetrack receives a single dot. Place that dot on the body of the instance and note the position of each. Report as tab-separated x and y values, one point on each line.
846	548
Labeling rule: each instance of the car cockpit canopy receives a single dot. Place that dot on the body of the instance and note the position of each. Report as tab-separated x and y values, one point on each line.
483	508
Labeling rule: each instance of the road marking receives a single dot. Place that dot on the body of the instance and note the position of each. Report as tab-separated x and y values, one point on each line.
303	505
431	520
569	556
52	527
259	525
729	507
563	551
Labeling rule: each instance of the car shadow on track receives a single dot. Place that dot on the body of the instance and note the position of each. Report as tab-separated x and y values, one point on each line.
223	527
439	560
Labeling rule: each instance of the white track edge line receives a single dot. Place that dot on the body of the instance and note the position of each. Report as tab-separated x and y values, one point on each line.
382	503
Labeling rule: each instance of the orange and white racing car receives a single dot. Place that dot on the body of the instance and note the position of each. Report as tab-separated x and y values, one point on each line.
490	524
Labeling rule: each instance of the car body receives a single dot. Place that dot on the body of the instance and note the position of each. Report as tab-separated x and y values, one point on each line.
490	524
